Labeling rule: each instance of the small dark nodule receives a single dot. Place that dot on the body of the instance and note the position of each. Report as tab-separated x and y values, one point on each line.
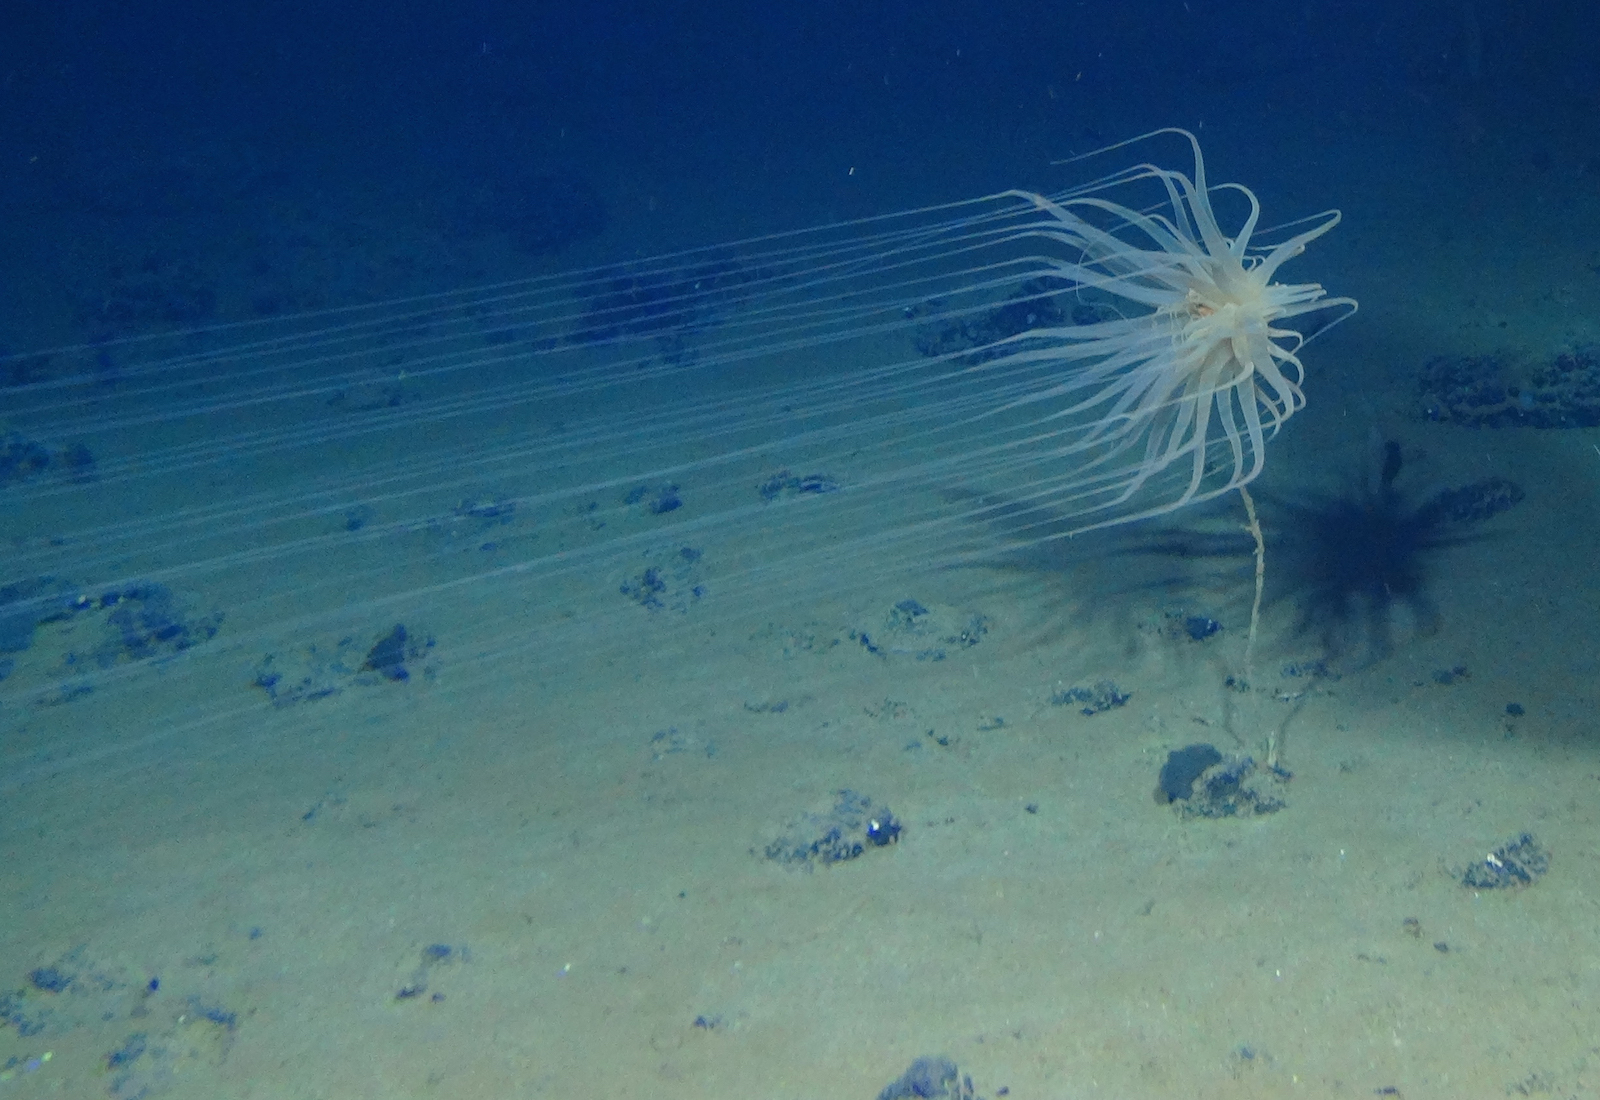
388	657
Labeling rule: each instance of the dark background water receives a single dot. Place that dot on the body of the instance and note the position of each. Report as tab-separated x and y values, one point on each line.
292	70
149	148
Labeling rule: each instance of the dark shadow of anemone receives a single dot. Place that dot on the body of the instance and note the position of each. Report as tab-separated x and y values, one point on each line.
1356	565
1110	580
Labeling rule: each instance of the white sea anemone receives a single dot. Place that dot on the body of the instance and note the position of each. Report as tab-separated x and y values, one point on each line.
796	425
1171	400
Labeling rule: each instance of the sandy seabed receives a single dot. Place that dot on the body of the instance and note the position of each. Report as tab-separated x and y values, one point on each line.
552	880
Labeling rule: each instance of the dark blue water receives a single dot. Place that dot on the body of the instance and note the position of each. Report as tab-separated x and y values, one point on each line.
140	142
